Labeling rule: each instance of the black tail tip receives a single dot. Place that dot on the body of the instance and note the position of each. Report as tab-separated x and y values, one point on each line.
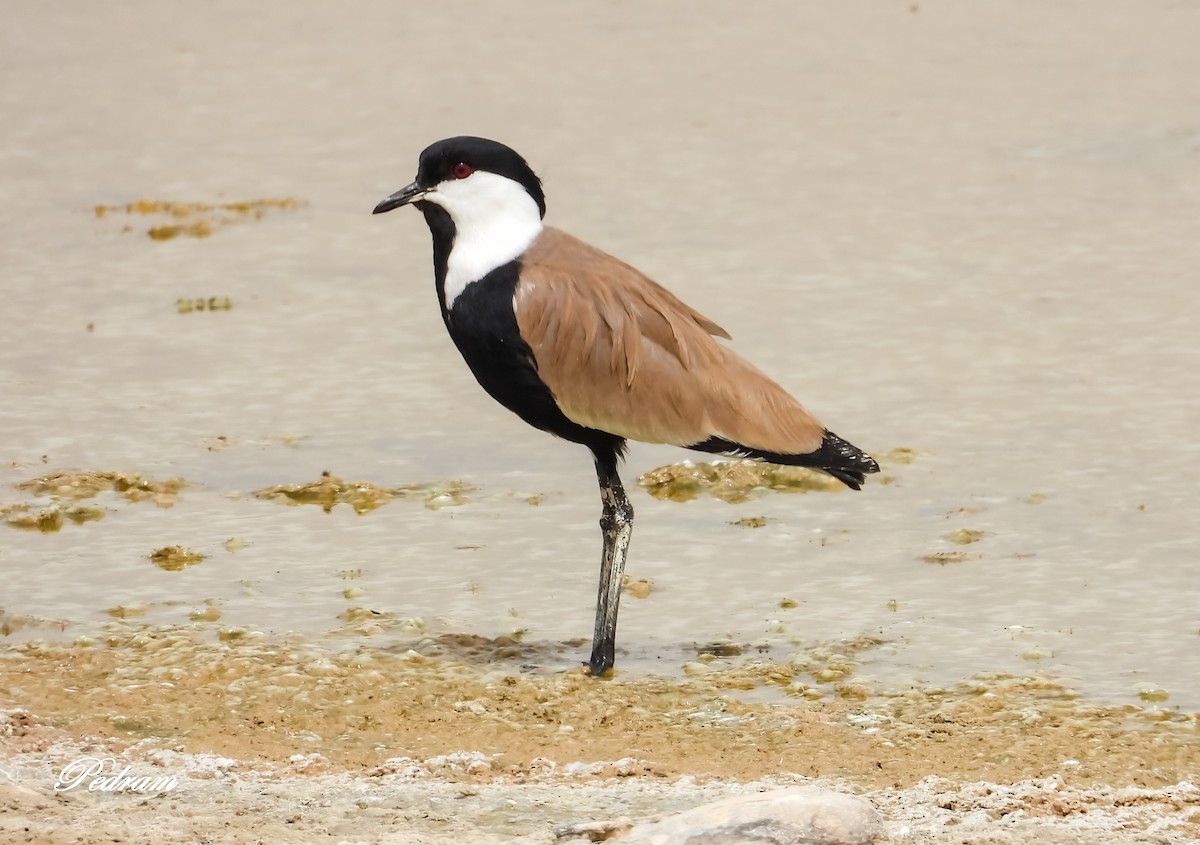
846	462
853	480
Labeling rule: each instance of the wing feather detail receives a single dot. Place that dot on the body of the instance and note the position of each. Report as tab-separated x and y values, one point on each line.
622	354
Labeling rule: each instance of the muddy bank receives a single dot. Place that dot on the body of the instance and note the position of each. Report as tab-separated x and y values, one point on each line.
741	717
286	742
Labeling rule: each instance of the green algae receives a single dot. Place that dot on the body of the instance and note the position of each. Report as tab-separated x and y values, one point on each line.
198	229
733	481
175	558
195	219
365	496
74	486
188	305
965	536
750	522
24	518
943	558
68	490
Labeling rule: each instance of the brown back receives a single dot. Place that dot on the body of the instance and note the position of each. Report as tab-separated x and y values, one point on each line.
622	354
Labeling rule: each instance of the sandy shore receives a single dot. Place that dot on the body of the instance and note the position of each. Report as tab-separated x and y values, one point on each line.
461	798
284	743
222	805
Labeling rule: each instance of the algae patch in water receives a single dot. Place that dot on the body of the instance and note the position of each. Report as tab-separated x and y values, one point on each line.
73	486
733	481
175	558
11	623
1152	692
85	513
720	648
639	588
51	519
750	522
127	611
67	490
196	219
187	305
899	455
363	496
224	441
208	613
20	516
198	229
965	536
945	557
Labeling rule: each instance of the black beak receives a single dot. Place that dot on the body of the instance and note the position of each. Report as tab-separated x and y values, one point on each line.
407	194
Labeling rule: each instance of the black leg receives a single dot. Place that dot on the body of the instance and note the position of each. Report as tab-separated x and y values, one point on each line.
616	523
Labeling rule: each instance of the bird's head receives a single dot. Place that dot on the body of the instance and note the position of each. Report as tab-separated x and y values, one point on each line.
473	180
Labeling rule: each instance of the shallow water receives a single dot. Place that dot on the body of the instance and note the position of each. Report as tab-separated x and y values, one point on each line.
969	233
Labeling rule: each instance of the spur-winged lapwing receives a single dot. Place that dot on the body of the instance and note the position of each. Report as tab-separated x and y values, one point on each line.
580	344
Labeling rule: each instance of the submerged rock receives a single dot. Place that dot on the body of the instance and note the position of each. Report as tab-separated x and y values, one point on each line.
797	816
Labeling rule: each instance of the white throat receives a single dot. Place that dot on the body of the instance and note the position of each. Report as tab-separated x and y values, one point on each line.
495	220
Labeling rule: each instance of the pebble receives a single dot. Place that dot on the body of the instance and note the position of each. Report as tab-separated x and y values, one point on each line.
794	816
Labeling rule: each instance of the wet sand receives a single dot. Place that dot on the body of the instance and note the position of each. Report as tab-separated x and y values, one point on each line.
408	747
963	236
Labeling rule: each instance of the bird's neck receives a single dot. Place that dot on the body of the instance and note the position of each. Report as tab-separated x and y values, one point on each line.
441	227
470	243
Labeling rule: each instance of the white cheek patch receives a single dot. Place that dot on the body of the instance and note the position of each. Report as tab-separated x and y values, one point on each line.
495	220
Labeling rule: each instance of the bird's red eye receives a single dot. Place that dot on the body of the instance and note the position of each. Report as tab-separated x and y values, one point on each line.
462	170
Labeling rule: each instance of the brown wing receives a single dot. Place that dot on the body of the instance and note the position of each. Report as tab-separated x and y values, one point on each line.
624	355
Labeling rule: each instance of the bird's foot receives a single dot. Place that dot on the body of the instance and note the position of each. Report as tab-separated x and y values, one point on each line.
598	668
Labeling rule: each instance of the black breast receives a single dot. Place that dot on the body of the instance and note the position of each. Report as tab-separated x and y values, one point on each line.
485	330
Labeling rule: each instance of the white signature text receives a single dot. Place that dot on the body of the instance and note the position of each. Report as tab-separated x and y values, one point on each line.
100	774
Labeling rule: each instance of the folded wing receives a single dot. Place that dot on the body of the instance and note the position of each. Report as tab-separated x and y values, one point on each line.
622	354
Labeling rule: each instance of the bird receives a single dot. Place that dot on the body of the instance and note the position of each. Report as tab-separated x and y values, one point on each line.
583	346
